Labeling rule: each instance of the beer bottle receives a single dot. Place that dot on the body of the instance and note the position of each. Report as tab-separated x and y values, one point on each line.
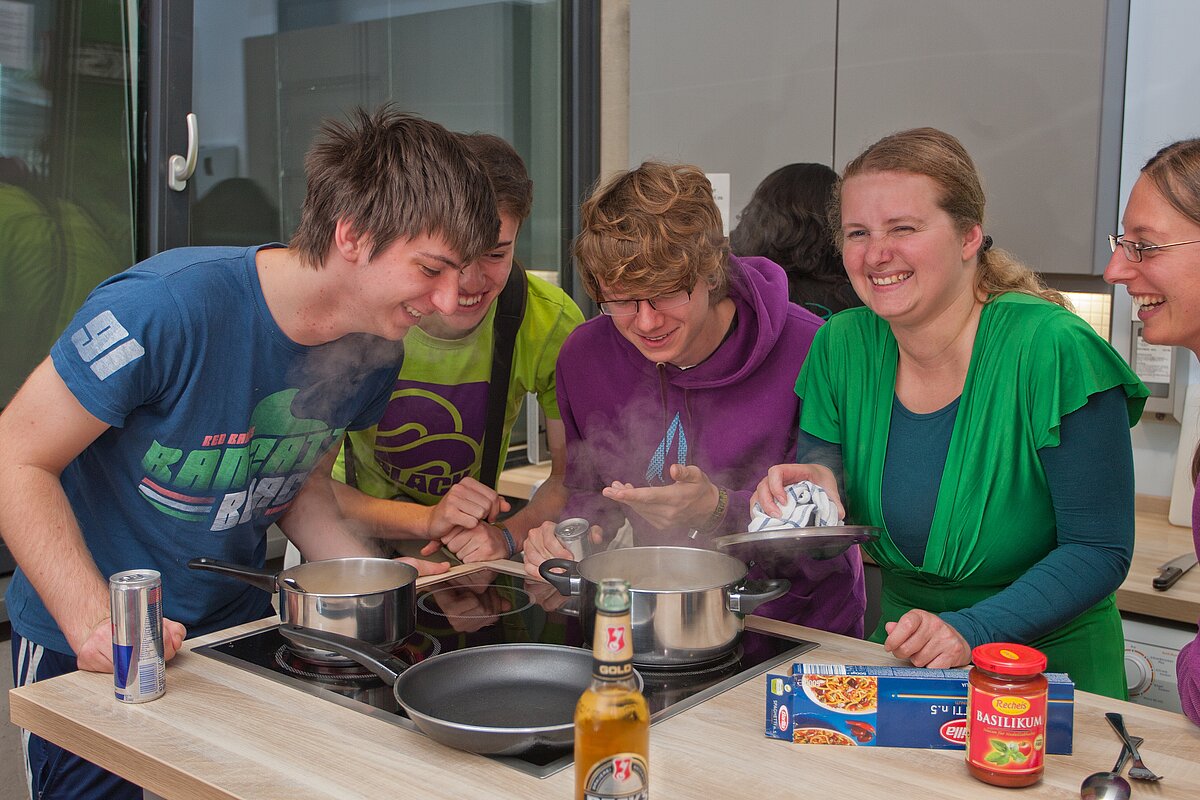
612	720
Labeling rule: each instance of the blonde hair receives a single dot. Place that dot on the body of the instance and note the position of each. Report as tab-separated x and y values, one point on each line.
942	158
653	230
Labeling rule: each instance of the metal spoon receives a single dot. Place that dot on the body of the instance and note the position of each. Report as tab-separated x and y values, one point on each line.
1109	785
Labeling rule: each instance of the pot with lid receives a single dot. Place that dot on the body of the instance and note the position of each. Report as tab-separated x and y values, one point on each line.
688	605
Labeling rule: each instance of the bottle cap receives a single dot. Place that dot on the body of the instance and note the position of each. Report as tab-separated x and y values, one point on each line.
1006	658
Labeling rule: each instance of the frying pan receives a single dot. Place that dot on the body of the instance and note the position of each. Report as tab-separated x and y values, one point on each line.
498	699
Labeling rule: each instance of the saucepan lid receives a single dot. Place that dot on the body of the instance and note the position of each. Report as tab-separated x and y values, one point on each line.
773	544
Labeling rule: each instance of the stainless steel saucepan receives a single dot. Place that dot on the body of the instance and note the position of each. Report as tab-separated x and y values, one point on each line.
369	599
688	605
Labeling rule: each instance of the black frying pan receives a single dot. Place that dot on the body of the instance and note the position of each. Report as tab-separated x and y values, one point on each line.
499	699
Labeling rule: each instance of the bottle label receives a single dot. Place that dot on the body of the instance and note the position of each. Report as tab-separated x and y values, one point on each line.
1006	733
612	652
622	776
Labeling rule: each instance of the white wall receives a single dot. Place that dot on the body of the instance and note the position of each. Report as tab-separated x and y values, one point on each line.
1161	106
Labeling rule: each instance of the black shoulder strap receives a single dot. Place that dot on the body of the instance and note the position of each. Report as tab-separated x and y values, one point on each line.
510	310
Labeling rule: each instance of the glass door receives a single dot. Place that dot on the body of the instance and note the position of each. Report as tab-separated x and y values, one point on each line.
262	74
68	78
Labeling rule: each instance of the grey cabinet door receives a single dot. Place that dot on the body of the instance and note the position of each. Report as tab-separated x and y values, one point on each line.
1023	84
742	88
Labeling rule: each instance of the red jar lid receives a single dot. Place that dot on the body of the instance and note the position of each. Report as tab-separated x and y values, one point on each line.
1005	658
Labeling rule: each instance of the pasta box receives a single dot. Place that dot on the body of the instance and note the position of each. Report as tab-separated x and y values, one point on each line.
891	707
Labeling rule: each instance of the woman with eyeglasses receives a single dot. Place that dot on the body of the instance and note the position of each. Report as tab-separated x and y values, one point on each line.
976	419
1151	261
678	396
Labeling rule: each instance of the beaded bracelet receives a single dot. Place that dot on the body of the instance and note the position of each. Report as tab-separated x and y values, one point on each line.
509	542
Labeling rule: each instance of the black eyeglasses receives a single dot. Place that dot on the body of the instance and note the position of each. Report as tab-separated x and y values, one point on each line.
664	302
1133	250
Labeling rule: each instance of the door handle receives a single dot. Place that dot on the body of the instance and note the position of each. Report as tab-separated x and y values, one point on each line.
180	168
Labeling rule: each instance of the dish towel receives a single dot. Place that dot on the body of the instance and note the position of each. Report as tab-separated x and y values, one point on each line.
807	506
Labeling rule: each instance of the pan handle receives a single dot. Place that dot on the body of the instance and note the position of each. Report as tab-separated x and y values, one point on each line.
264	579
376	659
568	581
746	597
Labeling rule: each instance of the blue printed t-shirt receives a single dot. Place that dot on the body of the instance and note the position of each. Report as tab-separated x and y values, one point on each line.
217	418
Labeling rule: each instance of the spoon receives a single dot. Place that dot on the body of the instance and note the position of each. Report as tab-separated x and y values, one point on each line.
1109	785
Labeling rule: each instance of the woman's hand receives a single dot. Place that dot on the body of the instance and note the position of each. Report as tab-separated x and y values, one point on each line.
686	503
770	492
925	640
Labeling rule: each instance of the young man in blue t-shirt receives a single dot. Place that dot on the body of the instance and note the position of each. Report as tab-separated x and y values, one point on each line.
202	394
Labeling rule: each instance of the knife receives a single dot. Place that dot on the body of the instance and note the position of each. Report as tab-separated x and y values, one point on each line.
1173	570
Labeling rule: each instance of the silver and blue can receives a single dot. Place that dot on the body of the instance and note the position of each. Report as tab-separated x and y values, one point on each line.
139	669
572	534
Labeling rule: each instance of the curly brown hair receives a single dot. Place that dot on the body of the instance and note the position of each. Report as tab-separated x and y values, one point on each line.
653	230
394	176
942	158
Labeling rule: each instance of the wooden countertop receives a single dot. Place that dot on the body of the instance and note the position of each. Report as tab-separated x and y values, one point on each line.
221	732
1157	541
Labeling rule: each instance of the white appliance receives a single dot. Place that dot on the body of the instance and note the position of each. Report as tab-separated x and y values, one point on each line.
1150	652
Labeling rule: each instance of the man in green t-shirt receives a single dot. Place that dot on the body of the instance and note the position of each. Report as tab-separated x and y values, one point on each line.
415	475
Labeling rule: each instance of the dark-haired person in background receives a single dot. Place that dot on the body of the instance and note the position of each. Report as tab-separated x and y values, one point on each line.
202	394
1150	259
786	221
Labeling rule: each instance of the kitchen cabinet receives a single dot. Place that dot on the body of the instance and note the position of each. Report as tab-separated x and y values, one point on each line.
220	732
1034	90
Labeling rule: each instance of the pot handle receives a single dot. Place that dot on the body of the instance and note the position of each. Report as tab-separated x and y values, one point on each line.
376	659
751	594
264	579
568	581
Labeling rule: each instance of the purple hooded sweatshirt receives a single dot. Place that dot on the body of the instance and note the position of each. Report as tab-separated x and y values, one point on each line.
733	415
1187	666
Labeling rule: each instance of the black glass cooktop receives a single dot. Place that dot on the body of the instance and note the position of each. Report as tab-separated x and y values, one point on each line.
489	607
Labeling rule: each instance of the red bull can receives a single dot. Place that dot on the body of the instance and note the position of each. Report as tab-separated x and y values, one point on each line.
139	669
573	534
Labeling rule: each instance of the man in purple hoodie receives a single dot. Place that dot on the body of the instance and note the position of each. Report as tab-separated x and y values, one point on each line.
680	395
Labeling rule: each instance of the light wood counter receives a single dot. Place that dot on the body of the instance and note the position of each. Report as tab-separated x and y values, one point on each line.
221	732
1159	541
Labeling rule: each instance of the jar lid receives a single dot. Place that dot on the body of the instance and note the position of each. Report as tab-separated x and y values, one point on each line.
1005	658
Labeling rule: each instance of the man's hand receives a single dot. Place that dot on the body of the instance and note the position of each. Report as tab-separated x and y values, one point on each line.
463	508
541	544
426	567
925	640
771	490
686	503
96	654
483	542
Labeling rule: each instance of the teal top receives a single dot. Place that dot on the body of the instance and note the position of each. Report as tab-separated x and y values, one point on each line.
1032	364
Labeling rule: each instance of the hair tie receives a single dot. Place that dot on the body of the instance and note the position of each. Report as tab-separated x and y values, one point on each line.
987	244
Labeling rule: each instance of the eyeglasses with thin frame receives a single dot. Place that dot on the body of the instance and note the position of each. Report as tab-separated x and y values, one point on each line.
664	302
1133	250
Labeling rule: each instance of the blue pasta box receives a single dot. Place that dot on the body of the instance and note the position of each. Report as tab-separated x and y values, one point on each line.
891	707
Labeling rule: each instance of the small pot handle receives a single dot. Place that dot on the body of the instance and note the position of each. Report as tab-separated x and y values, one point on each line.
748	596
376	659
264	579
568	581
